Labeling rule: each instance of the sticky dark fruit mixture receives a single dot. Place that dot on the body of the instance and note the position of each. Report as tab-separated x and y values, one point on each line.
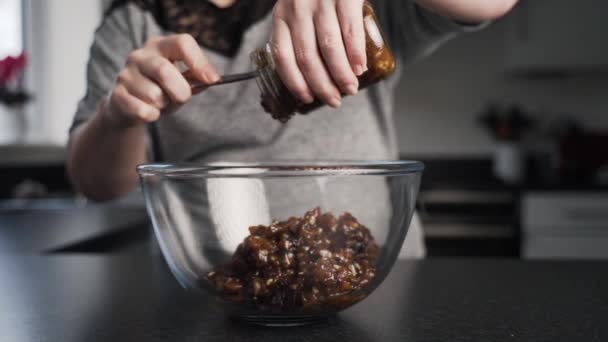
317	262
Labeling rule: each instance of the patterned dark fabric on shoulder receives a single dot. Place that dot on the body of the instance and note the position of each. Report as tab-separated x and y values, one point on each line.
218	29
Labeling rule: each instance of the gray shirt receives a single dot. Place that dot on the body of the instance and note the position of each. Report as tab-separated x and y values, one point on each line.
227	123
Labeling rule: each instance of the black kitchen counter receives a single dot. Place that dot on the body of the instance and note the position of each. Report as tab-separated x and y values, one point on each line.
121	298
53	228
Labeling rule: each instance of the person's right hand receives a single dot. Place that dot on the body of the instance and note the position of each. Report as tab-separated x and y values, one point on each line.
151	81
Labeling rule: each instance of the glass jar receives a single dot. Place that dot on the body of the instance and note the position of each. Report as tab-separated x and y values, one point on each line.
276	98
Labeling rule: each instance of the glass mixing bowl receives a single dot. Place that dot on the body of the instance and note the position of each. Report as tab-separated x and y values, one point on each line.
282	243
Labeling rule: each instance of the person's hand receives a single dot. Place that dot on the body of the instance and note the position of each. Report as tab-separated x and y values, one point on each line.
151	81
319	47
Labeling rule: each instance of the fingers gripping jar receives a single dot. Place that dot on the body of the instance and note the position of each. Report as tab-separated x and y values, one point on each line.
276	98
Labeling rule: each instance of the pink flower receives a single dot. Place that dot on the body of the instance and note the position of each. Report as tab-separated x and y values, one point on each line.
12	68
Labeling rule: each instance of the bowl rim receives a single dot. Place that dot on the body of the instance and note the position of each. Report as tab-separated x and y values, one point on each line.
283	168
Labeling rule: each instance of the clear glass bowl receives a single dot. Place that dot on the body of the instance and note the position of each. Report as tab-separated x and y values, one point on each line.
282	243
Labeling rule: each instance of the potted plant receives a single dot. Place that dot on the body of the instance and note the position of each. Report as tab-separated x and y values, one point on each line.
12	98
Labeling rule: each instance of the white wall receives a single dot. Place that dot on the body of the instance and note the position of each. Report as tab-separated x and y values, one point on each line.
60	33
440	98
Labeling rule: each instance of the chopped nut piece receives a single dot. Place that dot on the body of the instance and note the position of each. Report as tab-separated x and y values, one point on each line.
325	253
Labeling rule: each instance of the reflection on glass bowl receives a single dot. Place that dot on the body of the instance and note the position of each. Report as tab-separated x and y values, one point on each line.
282	243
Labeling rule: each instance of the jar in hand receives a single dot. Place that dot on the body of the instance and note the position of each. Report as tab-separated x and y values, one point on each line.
282	105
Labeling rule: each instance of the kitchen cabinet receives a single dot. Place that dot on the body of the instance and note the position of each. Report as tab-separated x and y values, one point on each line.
557	36
565	225
465	211
466	222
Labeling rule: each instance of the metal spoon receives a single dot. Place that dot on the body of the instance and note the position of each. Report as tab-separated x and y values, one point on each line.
225	79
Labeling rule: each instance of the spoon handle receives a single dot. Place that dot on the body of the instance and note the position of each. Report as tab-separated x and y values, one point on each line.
225	79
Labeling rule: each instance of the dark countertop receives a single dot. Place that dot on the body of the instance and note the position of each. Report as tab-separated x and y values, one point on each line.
43	230
102	298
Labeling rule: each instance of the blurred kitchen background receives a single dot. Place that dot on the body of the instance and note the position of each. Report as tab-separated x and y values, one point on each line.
512	123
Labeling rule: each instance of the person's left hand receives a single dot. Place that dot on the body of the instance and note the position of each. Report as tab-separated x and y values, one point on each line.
319	47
